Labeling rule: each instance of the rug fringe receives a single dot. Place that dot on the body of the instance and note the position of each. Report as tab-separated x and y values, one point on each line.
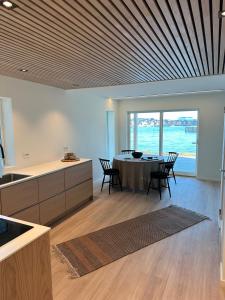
70	269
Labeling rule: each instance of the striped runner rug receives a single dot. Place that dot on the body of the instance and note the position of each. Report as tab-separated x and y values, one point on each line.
87	253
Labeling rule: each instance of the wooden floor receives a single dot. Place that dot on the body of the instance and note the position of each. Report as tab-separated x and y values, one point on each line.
184	266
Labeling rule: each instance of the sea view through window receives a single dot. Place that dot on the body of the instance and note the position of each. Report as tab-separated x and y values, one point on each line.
157	133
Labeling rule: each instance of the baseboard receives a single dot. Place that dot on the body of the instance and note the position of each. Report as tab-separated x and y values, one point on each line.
222	280
208	179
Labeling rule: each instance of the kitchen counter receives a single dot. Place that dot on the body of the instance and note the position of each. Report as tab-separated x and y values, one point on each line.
23	240
51	191
42	169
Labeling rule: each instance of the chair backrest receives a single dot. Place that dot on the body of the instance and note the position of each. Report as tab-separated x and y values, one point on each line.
165	167
172	157
105	163
128	151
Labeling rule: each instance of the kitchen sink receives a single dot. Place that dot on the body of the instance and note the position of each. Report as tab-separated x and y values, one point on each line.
11	177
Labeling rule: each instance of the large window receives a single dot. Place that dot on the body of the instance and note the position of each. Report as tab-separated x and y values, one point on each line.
160	132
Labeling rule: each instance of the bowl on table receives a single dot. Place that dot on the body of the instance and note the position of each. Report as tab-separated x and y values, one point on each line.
136	154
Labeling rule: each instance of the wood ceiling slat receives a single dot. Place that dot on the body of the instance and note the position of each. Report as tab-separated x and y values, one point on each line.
222	40
53	71
215	20
107	21
205	9
162	22
67	30
164	6
60	62
112	41
181	24
199	29
150	37
190	24
157	35
93	60
43	72
128	31
100	11
95	43
141	36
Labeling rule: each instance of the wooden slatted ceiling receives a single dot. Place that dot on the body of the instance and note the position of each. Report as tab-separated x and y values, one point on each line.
92	43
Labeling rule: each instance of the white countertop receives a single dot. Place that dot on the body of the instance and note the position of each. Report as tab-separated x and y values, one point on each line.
42	169
24	239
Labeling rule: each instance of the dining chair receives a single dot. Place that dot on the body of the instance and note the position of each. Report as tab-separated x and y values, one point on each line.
111	172
128	151
162	174
172	157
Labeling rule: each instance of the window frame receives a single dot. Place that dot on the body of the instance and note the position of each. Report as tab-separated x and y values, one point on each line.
161	112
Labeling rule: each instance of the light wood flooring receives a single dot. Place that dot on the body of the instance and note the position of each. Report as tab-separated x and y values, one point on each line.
184	266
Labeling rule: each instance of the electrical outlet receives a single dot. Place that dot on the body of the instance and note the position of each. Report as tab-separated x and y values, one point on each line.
26	155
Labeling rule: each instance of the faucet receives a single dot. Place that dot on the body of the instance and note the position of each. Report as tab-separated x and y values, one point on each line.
2	151
1	161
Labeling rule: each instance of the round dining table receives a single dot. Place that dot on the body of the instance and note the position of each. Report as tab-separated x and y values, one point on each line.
135	172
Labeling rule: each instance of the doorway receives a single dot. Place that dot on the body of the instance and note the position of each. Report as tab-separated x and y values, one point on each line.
110	134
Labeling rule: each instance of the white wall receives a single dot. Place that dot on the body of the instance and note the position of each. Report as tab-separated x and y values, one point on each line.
210	106
87	113
46	119
41	125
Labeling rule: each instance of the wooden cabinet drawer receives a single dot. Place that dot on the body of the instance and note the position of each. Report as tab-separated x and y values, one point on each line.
51	185
52	208
30	214
78	194
19	196
77	174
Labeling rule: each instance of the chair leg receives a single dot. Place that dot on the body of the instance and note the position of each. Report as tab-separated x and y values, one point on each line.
103	181
168	185
110	181
174	177
149	185
159	188
120	183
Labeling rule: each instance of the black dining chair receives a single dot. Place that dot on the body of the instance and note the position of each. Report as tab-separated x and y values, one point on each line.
127	151
162	174
172	157
111	172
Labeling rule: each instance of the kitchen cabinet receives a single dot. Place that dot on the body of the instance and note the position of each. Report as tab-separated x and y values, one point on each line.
48	197
52	208
78	174
50	185
19	196
78	194
30	214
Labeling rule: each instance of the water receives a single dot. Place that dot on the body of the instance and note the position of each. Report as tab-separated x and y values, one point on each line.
174	139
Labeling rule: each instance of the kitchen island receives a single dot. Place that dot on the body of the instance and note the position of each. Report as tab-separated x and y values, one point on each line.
50	192
25	269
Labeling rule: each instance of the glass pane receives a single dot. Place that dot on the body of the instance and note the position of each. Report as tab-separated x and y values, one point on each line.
131	131
148	125
180	135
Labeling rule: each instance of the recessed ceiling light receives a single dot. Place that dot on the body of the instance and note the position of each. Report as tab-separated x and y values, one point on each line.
23	70
222	14
8	4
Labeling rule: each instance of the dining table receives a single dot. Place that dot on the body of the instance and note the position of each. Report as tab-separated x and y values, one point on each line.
135	173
